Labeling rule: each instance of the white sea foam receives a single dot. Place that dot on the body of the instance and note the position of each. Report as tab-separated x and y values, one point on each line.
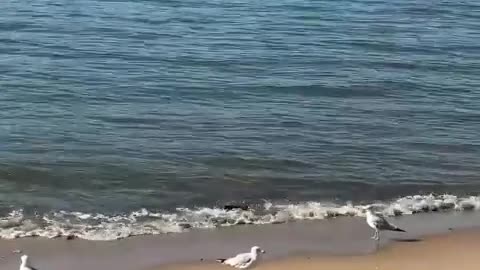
96	226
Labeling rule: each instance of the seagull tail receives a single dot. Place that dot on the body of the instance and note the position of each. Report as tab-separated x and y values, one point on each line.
398	230
221	260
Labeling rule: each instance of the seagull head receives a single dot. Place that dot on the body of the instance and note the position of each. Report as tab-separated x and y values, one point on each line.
24	258
257	250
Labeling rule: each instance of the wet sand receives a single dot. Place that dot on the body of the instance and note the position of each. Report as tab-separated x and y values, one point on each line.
335	241
458	250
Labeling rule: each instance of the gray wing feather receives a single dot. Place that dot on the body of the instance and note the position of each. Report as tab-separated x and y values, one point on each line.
382	224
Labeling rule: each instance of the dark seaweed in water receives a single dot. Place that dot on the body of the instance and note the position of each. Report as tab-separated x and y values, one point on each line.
230	207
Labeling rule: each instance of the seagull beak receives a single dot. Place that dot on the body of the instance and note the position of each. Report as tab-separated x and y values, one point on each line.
263	251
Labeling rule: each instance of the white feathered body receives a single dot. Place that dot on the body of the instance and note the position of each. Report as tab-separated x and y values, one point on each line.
378	222
25	265
242	261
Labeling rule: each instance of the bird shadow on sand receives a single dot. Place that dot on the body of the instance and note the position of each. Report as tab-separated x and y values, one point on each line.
407	240
398	240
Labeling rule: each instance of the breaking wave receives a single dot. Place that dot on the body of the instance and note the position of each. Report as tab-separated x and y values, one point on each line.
144	222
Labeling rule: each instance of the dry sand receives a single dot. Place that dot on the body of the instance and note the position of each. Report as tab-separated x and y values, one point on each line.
456	250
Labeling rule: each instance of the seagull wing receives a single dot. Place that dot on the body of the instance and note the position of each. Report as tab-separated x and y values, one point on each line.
382	223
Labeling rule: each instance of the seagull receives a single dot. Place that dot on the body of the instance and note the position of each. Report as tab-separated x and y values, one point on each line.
25	265
379	223
244	260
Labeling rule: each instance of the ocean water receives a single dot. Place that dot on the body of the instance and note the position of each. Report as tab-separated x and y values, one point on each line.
142	117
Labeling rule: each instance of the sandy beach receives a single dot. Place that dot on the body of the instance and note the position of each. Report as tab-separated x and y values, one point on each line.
433	241
456	250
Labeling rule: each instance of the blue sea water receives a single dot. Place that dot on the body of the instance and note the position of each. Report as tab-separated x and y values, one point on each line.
113	106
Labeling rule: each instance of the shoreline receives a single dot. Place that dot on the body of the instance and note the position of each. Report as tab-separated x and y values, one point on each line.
114	226
343	237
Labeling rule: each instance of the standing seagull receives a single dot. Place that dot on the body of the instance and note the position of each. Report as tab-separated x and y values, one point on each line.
379	223
25	265
244	260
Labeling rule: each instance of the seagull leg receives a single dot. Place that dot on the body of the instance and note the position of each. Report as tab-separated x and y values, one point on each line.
377	235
